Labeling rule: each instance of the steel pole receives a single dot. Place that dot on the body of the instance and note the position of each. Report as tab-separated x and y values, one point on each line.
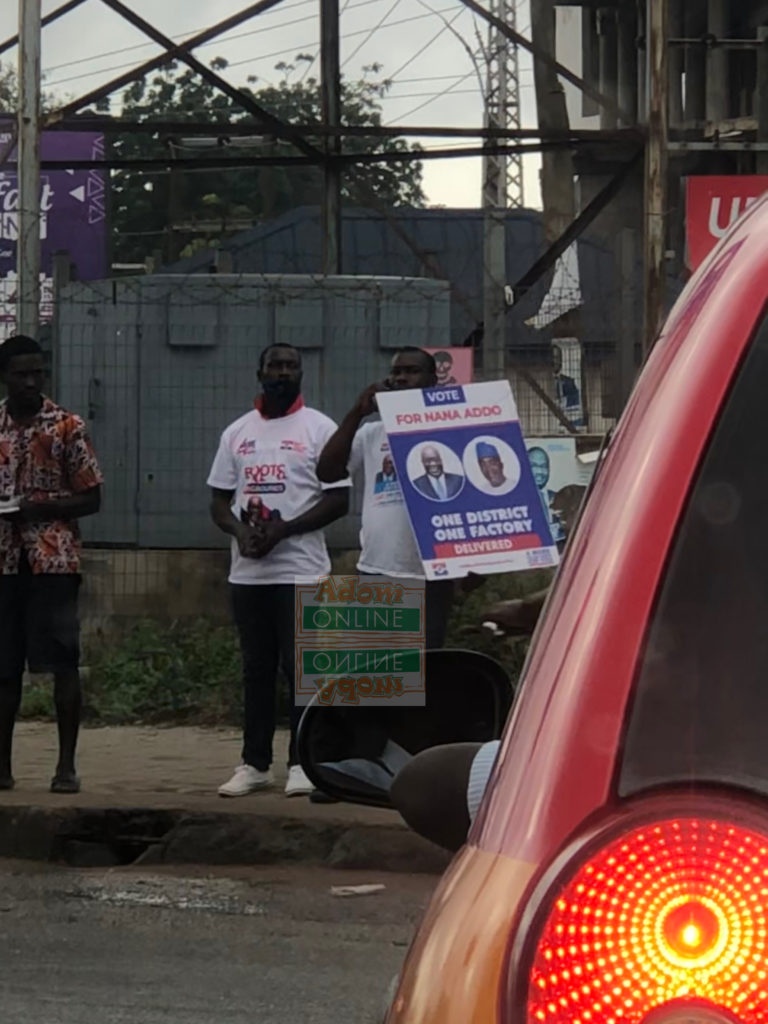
656	163
331	100
28	243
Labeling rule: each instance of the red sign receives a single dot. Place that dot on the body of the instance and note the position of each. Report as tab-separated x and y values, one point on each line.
454	365
713	205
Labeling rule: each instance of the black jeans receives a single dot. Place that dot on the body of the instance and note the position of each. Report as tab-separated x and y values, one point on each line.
438	598
265	616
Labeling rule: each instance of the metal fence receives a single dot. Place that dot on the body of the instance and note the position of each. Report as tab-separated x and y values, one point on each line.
159	365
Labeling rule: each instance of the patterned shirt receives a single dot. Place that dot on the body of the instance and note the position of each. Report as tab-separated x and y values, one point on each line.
45	460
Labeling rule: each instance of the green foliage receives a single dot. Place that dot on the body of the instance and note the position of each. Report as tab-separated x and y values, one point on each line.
465	628
190	673
155	674
9	92
9	88
204	206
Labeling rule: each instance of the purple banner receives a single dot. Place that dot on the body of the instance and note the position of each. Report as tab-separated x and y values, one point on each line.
73	217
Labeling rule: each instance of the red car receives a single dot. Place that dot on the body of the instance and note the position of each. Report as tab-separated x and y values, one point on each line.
617	872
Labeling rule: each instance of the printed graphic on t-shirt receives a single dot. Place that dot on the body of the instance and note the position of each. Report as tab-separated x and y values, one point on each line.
293	446
386	489
386	538
265	478
270	467
385	480
256	512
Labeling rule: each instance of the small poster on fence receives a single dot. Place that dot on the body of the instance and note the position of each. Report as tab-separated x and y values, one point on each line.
453	365
467	480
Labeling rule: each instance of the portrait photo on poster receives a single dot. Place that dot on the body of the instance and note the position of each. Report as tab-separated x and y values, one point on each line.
435	471
566	378
491	465
555	467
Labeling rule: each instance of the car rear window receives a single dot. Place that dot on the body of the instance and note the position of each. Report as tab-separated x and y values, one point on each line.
700	705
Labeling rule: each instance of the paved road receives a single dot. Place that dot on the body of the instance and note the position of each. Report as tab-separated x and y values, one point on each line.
255	946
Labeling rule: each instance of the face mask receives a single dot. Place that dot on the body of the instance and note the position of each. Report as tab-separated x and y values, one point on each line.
286	391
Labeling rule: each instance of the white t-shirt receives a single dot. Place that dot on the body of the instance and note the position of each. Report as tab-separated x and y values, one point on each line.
270	464
387	544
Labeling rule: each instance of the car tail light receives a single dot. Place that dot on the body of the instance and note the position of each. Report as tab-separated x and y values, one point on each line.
666	924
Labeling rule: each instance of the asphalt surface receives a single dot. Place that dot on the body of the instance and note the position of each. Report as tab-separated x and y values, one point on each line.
252	946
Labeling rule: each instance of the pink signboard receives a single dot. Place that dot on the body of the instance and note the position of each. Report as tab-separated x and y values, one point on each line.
454	365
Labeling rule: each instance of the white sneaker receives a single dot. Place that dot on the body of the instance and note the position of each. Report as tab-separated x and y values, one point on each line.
298	784
246	780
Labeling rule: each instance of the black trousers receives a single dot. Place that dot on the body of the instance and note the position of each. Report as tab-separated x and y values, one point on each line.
265	616
39	623
438	597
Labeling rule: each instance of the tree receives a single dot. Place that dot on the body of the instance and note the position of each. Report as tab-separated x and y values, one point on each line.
9	92
180	210
9	89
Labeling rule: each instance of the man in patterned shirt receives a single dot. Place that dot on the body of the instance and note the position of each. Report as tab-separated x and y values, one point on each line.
49	478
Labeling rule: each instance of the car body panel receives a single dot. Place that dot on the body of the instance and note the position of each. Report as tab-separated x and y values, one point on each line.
558	758
454	966
557	764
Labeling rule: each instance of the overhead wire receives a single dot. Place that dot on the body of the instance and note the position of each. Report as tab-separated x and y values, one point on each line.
188	34
310	63
426	46
348	35
249	60
372	33
438	96
219	40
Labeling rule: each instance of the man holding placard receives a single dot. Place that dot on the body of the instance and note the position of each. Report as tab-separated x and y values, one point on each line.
387	542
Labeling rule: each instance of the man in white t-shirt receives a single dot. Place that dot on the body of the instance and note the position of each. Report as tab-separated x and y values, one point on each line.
388	547
266	495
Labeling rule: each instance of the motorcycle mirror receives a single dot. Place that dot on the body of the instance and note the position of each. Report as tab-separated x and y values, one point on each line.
352	753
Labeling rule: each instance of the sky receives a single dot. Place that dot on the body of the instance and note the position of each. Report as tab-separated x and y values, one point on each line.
425	46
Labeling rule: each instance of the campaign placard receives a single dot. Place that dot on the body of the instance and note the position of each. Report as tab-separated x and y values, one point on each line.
467	480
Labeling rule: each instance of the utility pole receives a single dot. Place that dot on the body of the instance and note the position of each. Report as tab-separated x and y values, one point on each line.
502	185
656	163
331	105
28	243
656	159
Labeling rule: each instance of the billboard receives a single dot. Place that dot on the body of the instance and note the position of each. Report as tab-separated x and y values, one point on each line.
713	205
73	207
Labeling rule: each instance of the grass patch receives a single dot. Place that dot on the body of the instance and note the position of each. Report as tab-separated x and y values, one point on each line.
189	672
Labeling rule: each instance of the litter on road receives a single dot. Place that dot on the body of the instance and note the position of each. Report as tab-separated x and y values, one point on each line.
355	890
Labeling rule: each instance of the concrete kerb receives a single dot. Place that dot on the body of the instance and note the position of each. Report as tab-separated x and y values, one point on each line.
149	796
107	837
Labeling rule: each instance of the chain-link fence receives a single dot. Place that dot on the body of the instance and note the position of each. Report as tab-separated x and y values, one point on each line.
159	365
